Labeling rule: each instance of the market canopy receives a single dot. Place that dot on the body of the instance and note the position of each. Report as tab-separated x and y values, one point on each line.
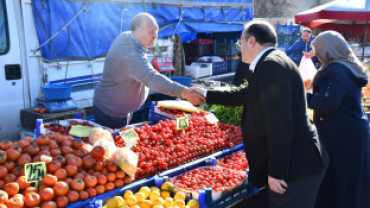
341	15
85	29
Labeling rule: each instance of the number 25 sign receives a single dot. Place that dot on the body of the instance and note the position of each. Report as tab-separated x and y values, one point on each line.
35	171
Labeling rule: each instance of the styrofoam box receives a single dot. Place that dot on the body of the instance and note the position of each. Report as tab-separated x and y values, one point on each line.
199	69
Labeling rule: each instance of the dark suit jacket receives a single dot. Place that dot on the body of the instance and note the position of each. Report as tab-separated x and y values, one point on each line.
279	139
242	73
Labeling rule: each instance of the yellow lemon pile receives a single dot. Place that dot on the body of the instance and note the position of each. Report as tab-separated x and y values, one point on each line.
152	197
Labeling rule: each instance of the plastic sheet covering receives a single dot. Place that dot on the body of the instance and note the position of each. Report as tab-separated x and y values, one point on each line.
94	24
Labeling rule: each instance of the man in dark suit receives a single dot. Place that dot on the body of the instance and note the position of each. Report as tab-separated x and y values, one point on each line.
281	143
242	73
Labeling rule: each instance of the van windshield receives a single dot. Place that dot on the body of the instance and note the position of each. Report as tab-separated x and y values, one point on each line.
3	29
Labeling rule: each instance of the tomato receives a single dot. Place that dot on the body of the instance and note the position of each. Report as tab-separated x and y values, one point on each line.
79	175
48	204
61	160
53	145
11	188
5	144
24	159
83	195
45	158
81	153
13	154
88	162
32	200
42	140
66	143
21	180
75	161
14	202
105	162
71	170
97	152
111	177
112	167
3	157
100	189
120	174
23	143
109	186
91	192
50	180
3	171
66	150
102	179
53	166
67	156
33	150
98	166
118	183
96	173
62	201
29	139
44	152
3	197
61	188
30	190
90	181
46	194
9	178
55	152
104	171
72	196
77	184
77	144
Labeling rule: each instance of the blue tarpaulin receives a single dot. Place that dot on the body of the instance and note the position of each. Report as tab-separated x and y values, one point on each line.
85	29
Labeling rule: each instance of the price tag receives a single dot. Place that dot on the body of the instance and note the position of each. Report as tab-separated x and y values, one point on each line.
129	136
35	172
182	123
211	118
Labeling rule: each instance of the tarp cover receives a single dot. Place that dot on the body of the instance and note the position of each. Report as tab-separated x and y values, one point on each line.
94	24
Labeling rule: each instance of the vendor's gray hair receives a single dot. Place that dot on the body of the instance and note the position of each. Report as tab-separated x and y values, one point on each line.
138	20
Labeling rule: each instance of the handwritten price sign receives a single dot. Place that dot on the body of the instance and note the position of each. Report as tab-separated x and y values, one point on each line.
129	136
35	172
182	123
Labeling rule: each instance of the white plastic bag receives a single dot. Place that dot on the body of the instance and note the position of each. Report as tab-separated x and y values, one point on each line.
109	147
126	159
307	70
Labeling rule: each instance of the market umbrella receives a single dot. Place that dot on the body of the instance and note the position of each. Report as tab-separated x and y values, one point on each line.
340	15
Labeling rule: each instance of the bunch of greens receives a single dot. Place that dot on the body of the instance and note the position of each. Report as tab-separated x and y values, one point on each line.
225	114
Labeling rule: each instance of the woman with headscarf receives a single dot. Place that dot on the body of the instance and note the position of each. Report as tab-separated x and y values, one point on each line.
341	122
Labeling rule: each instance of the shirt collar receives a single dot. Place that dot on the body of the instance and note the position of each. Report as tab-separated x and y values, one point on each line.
252	66
143	49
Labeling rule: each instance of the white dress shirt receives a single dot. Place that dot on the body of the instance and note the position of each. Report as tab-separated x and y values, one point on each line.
252	66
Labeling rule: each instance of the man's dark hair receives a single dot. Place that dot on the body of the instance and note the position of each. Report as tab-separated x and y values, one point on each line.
308	30
263	31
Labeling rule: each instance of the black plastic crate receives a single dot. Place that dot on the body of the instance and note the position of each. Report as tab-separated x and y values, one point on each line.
233	63
219	67
198	50
226	49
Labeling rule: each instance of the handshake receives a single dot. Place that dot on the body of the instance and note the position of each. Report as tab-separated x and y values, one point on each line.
195	95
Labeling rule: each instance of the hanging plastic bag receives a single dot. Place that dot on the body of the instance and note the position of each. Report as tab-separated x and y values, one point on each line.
126	159
307	70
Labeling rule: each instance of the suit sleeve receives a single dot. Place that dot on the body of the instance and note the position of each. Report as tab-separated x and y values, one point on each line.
226	98
332	88
275	95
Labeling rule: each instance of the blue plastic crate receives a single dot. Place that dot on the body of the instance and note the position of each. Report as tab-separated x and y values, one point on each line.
288	29
234	63
184	80
219	67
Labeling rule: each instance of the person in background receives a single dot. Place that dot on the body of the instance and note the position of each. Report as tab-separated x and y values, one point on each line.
280	142
303	45
128	75
341	122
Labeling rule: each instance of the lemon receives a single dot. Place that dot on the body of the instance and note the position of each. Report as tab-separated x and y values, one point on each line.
179	195
158	206
120	200
167	186
135	206
153	188
158	201
165	194
179	203
193	203
131	201
112	203
146	190
168	202
140	196
154	195
146	204
127	194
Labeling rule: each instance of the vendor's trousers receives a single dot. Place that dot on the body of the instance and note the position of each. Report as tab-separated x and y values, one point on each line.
109	121
300	193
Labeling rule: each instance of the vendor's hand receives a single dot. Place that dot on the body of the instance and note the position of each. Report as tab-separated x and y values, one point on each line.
309	54
276	185
192	96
